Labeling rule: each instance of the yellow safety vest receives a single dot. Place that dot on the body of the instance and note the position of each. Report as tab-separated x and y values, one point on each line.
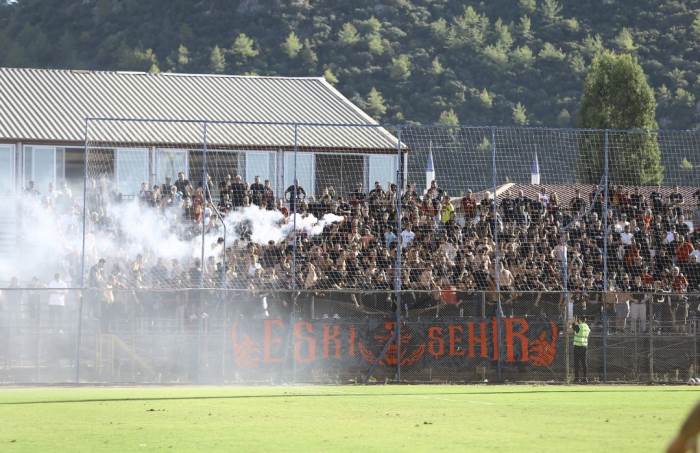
581	337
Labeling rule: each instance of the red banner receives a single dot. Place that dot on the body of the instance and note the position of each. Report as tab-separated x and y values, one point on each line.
264	343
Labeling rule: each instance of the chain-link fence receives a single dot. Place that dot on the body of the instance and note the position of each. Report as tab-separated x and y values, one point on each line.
217	336
449	253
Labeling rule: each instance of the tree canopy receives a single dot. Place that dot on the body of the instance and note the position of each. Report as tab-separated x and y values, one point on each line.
616	95
481	60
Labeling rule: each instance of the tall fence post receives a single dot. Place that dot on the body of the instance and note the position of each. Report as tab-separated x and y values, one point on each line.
649	307
566	298
294	205
497	266
606	200
398	272
695	346
205	191
205	186
81	301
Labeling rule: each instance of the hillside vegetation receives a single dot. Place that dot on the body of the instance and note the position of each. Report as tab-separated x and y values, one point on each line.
425	61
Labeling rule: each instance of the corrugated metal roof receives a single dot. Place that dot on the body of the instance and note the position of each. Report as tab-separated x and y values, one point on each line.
51	105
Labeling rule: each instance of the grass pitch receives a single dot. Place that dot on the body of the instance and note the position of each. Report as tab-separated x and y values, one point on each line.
342	418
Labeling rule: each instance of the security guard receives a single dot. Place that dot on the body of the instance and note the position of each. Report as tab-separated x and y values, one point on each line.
581	332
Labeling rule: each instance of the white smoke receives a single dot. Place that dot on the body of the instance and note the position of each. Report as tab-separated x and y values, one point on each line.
51	235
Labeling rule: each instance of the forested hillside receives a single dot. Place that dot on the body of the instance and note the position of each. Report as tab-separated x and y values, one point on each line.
488	62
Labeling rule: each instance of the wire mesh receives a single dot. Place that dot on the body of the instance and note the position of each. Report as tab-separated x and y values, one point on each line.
453	253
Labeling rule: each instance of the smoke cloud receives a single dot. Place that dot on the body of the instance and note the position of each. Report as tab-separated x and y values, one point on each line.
50	235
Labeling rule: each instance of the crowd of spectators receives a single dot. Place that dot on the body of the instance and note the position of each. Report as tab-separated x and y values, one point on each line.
455	251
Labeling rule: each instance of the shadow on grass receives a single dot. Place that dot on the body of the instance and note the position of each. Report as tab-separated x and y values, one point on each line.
338	395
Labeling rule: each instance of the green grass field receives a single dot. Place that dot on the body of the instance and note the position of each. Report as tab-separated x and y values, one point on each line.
343	418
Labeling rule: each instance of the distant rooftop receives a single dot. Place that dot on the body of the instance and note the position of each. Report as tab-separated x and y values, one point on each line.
48	105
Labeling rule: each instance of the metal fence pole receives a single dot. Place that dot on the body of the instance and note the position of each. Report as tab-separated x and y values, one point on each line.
79	334
606	183
205	187
397	273
566	296
294	205
497	271
649	307
695	346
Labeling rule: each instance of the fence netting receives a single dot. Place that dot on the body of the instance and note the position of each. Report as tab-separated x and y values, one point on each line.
278	252
217	336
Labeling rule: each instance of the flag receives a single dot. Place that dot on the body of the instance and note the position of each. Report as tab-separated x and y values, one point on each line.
535	171
429	169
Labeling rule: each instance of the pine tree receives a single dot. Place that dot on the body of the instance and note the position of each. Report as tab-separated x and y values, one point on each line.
400	68
624	41
348	34
375	44
529	6
469	30
448	118
244	47
329	76
375	104
436	67
551	10
292	46
520	114
217	61
486	98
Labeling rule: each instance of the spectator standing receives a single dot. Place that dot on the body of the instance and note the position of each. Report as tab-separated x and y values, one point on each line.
256	191
295	194
581	332
469	207
181	183
225	190
268	196
239	191
447	210
57	302
407	236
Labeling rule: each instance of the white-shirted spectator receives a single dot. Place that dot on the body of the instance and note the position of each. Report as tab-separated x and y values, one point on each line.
407	236
57	301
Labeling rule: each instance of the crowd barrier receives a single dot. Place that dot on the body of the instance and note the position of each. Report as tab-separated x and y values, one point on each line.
236	337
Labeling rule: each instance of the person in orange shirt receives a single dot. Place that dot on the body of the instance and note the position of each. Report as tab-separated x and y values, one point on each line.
647	219
680	283
469	206
684	250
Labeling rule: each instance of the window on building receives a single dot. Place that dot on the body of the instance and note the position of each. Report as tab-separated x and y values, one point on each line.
7	169
40	167
169	162
259	163
382	168
343	172
131	169
305	171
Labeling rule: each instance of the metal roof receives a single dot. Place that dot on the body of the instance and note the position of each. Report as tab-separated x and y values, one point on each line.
52	105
